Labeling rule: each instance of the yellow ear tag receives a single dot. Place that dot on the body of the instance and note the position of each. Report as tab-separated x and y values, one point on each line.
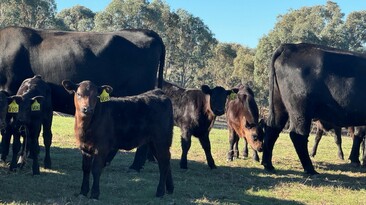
232	96
13	107
35	106
104	96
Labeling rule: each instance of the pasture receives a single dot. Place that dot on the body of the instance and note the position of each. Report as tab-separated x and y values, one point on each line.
242	181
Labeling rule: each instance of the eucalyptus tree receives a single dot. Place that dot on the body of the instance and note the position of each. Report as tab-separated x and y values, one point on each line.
29	13
77	18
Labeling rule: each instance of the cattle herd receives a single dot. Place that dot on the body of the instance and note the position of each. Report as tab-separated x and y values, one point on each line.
113	84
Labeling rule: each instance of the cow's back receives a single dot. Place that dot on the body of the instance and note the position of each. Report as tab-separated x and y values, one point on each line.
126	60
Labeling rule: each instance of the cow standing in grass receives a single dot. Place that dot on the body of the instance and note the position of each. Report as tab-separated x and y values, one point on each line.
195	112
28	112
104	125
313	82
243	122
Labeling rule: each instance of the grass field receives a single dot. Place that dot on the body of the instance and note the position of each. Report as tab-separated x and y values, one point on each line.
242	181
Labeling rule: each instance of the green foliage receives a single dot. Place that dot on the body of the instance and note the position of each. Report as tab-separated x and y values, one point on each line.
29	13
77	18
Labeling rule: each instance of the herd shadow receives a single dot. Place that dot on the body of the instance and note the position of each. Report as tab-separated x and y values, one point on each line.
225	185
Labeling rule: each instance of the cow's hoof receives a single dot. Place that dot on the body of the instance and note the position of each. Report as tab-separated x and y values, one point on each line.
270	169
213	166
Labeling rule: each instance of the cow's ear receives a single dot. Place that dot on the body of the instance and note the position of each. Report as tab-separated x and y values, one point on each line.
69	86
36	103
234	90
16	98
205	89
107	88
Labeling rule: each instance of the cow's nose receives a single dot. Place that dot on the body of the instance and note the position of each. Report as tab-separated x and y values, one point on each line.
87	110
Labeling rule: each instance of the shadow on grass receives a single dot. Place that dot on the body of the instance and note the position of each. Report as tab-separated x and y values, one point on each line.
196	185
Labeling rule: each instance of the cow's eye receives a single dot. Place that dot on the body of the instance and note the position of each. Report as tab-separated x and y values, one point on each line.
249	126
78	95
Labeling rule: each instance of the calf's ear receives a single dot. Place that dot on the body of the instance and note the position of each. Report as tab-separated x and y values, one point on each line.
205	89
69	86
234	90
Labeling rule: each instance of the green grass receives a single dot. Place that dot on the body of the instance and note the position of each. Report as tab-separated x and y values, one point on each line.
242	181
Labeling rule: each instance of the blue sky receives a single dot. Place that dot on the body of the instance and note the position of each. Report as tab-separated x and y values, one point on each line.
233	21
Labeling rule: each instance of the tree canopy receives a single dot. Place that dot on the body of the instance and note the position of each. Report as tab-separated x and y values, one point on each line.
194	56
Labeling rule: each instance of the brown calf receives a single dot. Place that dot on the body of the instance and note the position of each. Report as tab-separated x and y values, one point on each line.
243	122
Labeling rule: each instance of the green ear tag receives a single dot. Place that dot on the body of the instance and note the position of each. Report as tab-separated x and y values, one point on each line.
36	106
232	96
13	107
104	96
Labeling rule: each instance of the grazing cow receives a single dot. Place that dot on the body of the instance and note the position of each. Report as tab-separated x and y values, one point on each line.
128	60
28	111
313	82
103	125
243	121
195	112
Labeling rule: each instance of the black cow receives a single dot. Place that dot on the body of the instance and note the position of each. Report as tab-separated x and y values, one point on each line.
29	111
195	112
242	118
313	82
128	60
102	127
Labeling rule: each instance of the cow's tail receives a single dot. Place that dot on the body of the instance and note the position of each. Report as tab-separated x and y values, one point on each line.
161	67
273	84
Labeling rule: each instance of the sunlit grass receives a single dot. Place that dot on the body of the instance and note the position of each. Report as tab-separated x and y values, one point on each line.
242	181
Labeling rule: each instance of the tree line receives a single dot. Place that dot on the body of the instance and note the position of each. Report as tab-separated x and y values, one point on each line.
194	56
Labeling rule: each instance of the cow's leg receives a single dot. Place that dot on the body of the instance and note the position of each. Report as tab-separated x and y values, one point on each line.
16	148
301	143
355	150
186	145
97	167
245	148
166	179
110	157
255	155
300	125
338	141
232	141
34	147
275	123
206	145
5	142
318	137
236	146
86	167
140	158
47	140
151	153
270	139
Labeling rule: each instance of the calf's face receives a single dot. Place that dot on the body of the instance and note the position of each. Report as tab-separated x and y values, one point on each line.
86	95
218	97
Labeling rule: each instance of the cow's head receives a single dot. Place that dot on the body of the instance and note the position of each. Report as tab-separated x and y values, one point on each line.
218	97
253	127
21	109
86	95
3	108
